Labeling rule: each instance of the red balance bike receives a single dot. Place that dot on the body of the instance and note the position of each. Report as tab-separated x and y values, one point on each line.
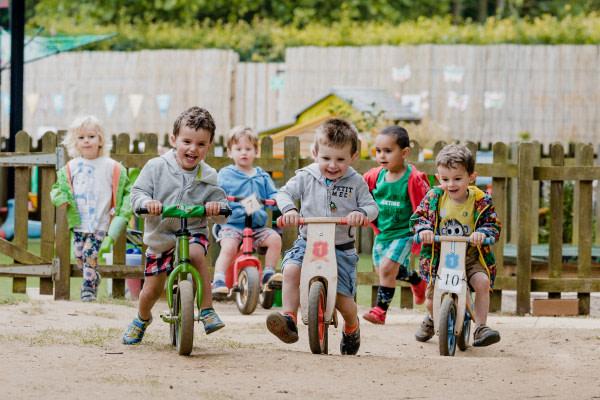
243	275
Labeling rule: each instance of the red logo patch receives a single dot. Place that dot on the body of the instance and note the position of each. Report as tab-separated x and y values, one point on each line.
319	251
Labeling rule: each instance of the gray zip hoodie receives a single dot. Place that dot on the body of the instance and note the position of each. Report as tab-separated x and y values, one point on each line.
348	193
162	179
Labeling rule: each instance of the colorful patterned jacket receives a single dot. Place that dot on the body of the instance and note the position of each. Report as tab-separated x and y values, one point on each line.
486	221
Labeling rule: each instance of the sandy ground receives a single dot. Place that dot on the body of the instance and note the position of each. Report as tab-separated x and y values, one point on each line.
73	350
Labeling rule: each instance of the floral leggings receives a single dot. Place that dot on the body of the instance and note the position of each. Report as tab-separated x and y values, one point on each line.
85	248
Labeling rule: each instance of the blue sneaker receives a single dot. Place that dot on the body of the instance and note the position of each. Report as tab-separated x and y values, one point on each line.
272	279
211	321
135	331
219	288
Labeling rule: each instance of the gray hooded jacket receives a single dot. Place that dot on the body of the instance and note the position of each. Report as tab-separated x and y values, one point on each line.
348	193
162	179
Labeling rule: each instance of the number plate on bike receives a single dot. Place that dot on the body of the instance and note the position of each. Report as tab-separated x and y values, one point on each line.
450	280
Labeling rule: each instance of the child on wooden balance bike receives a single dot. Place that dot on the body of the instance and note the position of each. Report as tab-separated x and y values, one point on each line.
327	188
457	209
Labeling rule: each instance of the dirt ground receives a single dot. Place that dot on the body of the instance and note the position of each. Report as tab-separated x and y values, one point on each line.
72	350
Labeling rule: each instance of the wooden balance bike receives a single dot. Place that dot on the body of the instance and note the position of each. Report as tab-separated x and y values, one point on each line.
452	298
180	284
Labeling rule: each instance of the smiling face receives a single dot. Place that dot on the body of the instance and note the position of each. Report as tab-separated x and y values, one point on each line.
334	162
88	142
389	155
243	153
191	146
455	182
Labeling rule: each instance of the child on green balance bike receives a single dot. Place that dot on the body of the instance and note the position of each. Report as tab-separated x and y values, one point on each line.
177	177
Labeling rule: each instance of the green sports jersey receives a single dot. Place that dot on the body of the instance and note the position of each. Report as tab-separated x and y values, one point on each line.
395	208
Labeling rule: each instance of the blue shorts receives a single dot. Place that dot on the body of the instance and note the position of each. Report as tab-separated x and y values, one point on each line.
397	250
346	260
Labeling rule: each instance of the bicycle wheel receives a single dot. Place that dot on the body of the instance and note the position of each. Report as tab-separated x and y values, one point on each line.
266	299
185	339
317	329
174	328
462	340
447	321
247	297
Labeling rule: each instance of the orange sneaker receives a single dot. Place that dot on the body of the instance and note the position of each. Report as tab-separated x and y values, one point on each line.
376	316
419	292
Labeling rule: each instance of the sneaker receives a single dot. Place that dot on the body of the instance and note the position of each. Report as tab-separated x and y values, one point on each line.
97	280
375	316
484	336
272	279
135	331
219	288
88	294
425	331
211	321
282	326
350	343
419	292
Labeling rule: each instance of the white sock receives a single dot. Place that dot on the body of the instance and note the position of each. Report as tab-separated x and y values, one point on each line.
219	276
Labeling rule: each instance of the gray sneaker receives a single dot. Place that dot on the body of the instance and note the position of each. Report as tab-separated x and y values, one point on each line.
425	331
484	336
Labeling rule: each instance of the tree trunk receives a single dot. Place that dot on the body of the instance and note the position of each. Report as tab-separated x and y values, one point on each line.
457	11
482	11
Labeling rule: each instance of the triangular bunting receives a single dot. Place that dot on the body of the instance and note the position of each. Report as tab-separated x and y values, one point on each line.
31	99
110	103
135	102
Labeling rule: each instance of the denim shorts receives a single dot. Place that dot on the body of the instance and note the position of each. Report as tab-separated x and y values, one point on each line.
397	250
346	261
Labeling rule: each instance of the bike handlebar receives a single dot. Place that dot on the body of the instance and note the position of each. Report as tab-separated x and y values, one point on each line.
267	202
439	238
312	220
183	211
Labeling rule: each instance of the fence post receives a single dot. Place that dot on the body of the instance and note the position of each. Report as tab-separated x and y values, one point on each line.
513	222
119	257
557	154
47	177
499	198
524	192
21	203
291	162
597	237
584	157
62	288
535	196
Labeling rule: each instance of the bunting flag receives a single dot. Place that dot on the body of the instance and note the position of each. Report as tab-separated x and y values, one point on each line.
6	103
31	99
277	83
453	73
493	100
44	102
459	102
58	101
135	102
163	100
110	103
401	74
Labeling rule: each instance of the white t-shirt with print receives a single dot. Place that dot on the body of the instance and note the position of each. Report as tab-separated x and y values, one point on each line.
92	182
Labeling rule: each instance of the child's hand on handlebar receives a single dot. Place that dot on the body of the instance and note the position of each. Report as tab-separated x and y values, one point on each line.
290	218
427	236
154	207
212	208
477	238
356	218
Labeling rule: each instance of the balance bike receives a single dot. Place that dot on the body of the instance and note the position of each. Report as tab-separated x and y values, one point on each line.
318	280
246	267
180	283
452	298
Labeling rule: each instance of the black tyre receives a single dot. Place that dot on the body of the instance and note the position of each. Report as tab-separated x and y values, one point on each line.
174	328
266	299
247	297
185	338
317	329
462	340
447	321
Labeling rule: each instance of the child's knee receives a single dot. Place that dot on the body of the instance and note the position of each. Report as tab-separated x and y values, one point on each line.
291	272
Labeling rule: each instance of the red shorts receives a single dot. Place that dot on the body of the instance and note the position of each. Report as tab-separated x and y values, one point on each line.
159	263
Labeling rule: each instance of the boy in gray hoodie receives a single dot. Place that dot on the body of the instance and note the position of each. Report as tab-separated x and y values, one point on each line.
177	177
328	188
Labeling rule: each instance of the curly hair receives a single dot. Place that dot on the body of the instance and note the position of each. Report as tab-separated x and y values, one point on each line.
83	122
196	118
337	133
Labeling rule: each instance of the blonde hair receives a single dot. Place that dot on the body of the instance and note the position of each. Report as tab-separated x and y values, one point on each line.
90	121
454	156
240	132
337	133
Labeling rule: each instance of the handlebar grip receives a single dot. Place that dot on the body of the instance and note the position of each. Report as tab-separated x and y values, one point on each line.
226	211
141	211
487	240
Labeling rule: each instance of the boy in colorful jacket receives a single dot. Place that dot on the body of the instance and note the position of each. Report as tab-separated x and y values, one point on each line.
455	208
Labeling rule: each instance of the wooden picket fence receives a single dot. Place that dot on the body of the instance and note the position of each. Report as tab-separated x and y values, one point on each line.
515	171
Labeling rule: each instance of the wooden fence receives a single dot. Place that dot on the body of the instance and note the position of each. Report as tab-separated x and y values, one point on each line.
53	264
